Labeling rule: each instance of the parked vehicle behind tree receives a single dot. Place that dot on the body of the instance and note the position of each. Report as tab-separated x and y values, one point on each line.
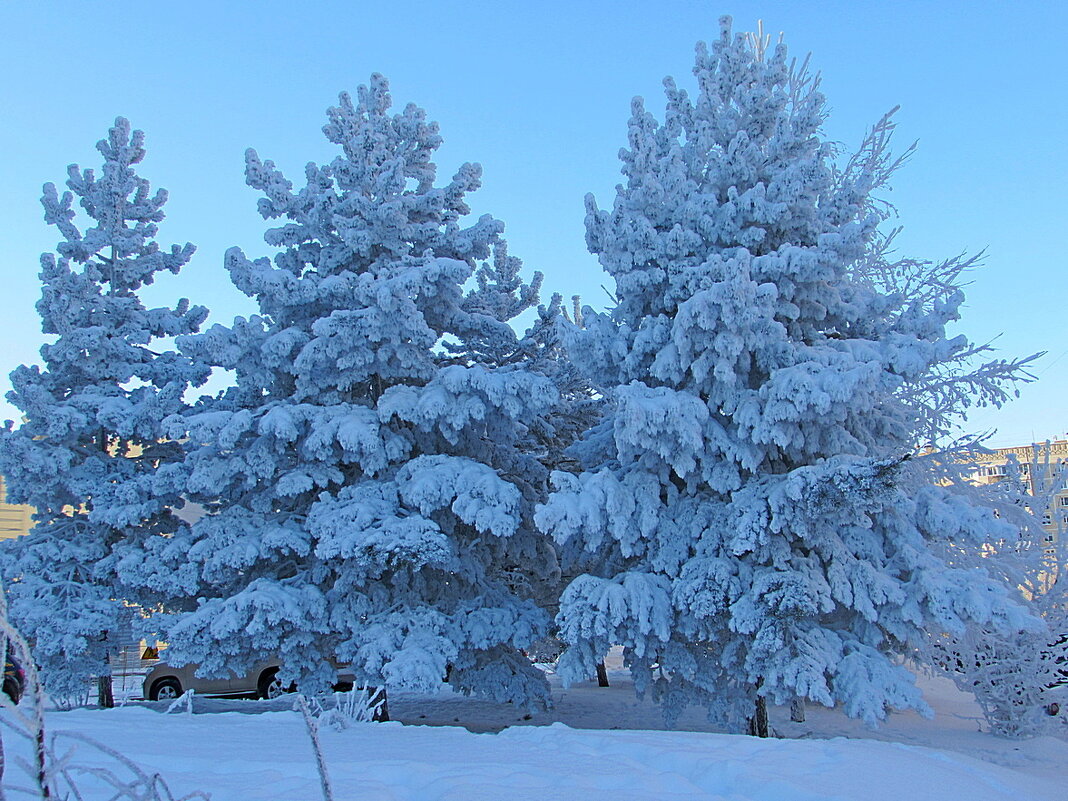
165	682
14	678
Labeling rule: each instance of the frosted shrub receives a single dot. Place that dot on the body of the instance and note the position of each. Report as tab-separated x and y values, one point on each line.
358	705
1019	678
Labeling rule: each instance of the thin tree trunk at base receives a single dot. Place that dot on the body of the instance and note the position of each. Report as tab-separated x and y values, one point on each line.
105	697
382	710
602	675
758	724
797	710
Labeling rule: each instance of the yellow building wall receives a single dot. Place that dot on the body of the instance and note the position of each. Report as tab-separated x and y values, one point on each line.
15	519
992	469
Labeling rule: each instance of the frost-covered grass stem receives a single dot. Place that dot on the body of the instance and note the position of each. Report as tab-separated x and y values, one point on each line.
313	735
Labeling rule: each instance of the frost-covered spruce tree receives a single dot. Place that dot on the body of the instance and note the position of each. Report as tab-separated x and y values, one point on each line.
92	415
366	482
760	530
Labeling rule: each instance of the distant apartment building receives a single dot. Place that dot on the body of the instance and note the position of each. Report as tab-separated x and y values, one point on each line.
15	519
1037	472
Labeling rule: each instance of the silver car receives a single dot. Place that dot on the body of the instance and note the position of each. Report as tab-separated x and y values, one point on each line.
164	682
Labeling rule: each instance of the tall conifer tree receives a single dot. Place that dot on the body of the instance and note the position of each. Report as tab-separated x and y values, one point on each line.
368	488
759	529
92	415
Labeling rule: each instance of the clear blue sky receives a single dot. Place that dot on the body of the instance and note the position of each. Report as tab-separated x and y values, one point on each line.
539	93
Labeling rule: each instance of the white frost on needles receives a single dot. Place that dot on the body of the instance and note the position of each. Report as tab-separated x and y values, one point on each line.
369	491
753	522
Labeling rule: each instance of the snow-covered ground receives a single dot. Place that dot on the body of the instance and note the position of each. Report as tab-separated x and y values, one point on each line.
597	744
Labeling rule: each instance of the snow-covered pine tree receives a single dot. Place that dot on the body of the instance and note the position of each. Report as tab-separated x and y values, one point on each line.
91	417
760	529
366	482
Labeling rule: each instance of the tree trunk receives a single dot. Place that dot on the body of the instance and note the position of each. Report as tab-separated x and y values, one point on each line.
105	698
602	674
758	724
797	710
382	712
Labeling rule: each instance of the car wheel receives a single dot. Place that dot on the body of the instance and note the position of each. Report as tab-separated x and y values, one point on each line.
165	690
270	686
13	690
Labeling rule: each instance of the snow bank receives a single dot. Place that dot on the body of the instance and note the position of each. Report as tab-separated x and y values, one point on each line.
268	756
